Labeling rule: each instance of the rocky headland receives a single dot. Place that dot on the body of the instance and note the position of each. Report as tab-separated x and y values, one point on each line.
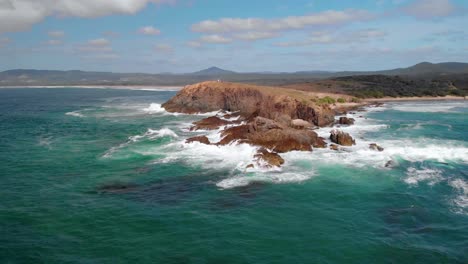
275	119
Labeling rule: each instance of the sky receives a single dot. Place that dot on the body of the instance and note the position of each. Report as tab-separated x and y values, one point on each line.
155	36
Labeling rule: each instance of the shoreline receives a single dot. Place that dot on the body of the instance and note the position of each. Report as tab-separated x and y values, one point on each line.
414	98
121	87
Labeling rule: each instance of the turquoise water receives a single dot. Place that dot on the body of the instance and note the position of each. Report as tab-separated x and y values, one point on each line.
103	176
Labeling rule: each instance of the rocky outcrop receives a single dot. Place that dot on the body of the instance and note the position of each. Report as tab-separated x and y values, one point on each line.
334	147
300	124
268	159
272	135
201	139
375	147
346	121
268	102
341	138
210	123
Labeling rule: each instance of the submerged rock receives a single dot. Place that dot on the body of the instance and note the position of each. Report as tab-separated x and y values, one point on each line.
201	139
376	147
271	159
341	138
334	147
210	123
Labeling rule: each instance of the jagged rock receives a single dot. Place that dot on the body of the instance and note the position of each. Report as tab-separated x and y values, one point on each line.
232	115
300	124
334	147
390	164
346	121
210	123
272	135
376	147
341	138
201	139
250	166
268	102
271	159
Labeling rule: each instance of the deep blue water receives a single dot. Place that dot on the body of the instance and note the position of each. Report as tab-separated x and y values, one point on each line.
104	176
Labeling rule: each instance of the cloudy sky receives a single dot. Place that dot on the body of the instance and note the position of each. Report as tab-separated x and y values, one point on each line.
243	35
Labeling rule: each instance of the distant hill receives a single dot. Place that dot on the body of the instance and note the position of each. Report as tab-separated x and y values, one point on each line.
213	71
24	77
429	68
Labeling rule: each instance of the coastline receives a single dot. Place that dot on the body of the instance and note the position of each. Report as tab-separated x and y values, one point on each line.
123	87
414	98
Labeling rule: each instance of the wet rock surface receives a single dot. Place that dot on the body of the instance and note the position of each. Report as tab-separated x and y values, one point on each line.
210	123
268	159
375	147
346	121
341	138
201	139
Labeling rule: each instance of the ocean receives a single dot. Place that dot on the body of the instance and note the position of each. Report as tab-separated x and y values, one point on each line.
104	176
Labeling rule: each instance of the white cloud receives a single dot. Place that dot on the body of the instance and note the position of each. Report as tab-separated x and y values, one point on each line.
233	25
325	37
430	9
216	39
56	34
149	30
194	44
100	42
101	45
163	48
19	15
252	36
54	42
103	56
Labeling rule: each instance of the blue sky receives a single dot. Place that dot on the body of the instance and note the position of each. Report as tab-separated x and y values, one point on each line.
187	35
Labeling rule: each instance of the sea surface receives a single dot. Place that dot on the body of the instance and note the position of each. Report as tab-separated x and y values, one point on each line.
104	176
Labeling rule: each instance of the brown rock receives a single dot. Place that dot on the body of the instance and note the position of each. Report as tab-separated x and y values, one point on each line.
376	147
250	166
272	159
320	143
342	138
210	123
346	121
334	147
201	139
300	124
272	135
268	102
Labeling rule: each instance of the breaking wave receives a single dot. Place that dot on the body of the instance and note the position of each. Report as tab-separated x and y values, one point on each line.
239	181
75	114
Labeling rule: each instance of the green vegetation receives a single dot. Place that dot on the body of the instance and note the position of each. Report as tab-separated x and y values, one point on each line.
341	100
325	100
378	86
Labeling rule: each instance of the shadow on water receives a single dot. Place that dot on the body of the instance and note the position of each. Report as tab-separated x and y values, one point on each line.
199	189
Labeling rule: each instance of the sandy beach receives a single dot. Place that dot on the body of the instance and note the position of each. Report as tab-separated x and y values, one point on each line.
414	98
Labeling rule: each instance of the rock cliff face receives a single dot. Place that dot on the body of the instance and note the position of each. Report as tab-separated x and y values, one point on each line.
269	102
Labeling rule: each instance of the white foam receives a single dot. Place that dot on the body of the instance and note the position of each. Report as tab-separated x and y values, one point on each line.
149	134
155	108
239	181
431	176
428	107
461	187
75	114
